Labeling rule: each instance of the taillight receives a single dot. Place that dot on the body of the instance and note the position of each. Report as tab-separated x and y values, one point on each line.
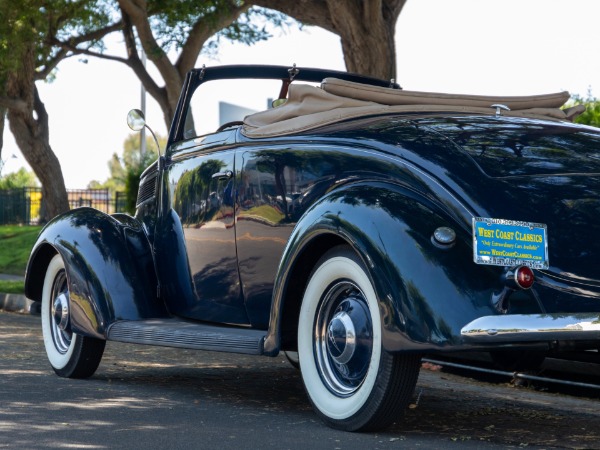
522	277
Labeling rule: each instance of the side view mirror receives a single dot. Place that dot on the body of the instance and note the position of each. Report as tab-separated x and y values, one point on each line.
136	120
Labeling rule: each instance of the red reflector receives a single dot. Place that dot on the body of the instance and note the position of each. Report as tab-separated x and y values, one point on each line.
524	277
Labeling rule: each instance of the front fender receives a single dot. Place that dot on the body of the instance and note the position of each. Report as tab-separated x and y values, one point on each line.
426	294
109	265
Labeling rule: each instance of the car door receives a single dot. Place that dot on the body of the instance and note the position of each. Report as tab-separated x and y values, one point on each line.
197	233
196	248
276	185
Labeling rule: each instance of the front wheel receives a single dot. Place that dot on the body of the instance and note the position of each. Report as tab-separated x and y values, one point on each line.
71	355
352	382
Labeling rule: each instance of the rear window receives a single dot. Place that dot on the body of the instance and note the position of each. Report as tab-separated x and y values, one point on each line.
514	146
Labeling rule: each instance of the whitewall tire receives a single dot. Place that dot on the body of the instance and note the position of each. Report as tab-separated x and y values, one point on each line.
70	355
352	382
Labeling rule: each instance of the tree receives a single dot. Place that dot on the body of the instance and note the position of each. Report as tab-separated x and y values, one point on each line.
19	179
27	55
591	116
185	26
130	161
366	29
35	35
126	170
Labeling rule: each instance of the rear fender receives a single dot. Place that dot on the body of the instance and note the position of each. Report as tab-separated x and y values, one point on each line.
426	294
109	265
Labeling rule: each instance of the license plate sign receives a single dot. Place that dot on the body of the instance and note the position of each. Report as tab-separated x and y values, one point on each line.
502	242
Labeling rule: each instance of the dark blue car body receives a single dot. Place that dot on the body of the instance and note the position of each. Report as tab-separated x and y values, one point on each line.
229	228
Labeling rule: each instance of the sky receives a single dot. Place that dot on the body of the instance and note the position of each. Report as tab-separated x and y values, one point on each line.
508	47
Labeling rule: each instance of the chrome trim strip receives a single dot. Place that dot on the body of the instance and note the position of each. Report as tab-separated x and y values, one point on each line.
533	327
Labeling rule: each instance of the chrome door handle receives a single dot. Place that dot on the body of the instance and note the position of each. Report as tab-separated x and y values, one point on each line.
220	175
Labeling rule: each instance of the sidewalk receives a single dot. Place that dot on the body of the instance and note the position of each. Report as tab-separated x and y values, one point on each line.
17	302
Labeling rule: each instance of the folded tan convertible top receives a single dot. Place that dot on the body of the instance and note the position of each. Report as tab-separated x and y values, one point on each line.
387	96
309	107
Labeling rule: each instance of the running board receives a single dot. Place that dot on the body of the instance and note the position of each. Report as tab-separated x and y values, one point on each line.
184	334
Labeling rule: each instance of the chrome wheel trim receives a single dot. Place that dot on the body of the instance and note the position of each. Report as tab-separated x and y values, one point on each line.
59	320
59	343
343	338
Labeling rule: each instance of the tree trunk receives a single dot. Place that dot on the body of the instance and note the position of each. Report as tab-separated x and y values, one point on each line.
367	35
135	14
366	29
2	123
28	121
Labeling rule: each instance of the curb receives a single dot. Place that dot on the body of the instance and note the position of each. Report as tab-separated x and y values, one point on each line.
18	303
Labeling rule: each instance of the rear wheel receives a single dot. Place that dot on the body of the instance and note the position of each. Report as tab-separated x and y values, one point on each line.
71	355
352	382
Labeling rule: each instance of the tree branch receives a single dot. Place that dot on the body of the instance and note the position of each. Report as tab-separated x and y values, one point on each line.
372	11
81	51
309	12
393	8
52	63
42	115
138	14
136	64
201	32
97	34
71	46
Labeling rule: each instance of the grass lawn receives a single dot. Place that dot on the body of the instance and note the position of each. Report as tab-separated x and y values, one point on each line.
12	287
15	245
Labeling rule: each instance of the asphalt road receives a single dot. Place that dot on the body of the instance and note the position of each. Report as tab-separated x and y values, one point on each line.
150	397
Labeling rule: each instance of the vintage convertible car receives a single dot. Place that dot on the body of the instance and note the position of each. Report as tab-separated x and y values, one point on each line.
356	223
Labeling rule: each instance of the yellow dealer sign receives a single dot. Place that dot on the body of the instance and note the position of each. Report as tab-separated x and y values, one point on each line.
502	242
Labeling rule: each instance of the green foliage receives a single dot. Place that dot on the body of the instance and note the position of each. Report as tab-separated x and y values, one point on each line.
17	21
253	26
78	17
591	116
12	287
130	161
43	25
125	170
173	20
37	24
132	184
21	178
15	245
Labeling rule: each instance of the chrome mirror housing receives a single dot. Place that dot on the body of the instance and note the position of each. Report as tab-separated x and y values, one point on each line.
136	120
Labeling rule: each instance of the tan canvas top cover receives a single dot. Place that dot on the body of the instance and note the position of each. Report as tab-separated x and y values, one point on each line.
309	107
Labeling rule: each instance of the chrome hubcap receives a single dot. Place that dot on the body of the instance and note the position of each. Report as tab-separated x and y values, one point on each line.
343	338
59	314
60	311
